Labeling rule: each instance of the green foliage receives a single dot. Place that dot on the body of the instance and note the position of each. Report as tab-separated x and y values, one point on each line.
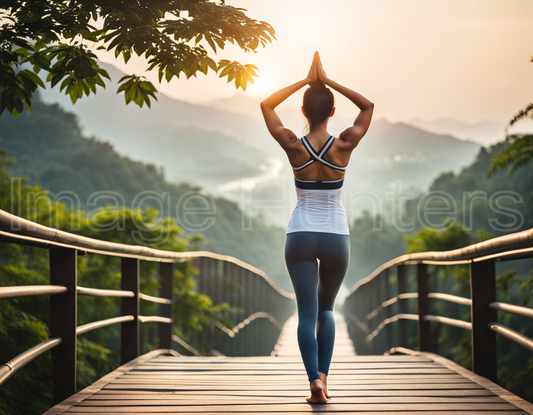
137	90
195	311
77	68
517	153
51	36
524	113
24	321
373	241
29	390
51	150
500	205
242	74
93	360
519	149
453	237
455	343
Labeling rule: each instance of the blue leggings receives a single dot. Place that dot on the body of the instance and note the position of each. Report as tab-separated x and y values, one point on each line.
316	288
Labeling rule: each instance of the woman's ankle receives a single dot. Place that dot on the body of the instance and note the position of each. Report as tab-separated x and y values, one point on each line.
315	379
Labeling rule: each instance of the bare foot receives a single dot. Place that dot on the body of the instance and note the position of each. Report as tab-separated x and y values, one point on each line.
324	379
317	393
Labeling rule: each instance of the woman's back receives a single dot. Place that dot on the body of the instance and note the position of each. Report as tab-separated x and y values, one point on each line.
335	155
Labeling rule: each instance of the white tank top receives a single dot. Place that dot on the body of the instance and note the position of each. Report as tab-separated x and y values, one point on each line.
319	207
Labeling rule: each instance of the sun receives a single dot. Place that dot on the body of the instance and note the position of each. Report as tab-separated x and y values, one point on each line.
260	87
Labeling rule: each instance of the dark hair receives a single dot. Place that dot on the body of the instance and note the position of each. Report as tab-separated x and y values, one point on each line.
318	104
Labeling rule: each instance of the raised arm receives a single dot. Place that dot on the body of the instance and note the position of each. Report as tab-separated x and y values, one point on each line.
285	136
352	135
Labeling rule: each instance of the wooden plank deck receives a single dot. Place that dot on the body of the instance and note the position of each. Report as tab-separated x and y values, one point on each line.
158	384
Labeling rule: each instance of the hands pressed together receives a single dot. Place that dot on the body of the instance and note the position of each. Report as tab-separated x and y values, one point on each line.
316	71
286	137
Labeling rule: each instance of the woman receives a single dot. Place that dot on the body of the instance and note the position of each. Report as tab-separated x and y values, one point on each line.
318	228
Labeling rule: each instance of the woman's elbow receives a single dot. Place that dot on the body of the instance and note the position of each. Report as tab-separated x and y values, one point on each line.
264	106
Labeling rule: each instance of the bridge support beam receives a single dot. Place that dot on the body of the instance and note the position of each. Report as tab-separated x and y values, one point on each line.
63	320
483	292
402	305
129	334
166	274
388	314
424	335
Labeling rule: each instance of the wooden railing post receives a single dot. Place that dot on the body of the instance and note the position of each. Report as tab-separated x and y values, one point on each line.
388	313
483	292
166	273
424	335
402	306
374	303
63	320
129	337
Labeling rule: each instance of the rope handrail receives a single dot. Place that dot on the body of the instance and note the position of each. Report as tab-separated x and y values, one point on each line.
388	303
512	335
30	291
14	365
186	345
26	232
97	292
155	319
512	246
514	309
260	314
153	299
449	321
451	298
390	320
102	323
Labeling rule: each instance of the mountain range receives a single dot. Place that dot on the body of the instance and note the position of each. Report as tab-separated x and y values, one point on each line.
227	143
485	132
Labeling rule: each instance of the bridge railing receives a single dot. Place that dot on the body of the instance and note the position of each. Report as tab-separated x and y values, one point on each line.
258	307
264	299
368	308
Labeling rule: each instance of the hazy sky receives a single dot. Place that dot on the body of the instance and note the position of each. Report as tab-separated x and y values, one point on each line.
466	59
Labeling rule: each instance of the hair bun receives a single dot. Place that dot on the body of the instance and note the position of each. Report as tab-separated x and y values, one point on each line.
318	103
318	85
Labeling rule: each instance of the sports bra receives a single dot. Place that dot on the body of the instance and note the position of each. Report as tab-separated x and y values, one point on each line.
319	207
314	156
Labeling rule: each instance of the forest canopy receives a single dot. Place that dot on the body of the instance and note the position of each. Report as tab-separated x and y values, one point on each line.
175	37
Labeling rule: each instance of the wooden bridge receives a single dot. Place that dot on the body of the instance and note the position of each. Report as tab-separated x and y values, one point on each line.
419	383
162	381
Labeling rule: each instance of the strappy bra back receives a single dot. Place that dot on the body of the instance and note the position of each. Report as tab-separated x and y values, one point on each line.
318	156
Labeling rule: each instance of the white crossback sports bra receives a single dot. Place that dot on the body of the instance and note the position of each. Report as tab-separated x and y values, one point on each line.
319	207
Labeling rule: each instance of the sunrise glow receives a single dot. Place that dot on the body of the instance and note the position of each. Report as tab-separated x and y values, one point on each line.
261	86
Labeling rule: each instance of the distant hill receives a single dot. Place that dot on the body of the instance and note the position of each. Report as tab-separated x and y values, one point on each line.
498	206
227	141
239	104
52	150
402	152
86	173
485	132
